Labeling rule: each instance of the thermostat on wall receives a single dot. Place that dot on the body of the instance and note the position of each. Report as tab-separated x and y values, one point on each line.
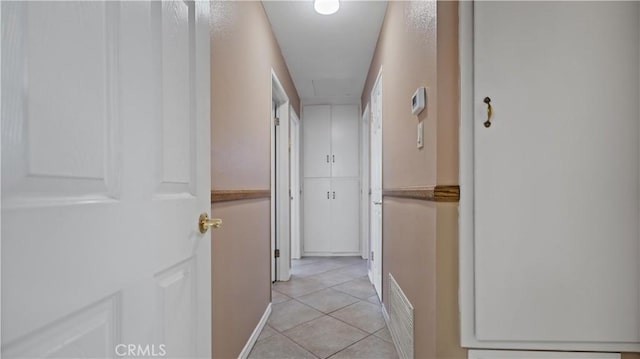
418	100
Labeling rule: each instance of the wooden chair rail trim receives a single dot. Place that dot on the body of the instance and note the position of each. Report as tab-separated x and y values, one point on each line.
227	195
426	193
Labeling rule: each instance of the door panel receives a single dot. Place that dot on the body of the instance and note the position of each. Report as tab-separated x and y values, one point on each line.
175	160
317	214
344	141
44	161
316	141
105	169
175	290
557	242
345	215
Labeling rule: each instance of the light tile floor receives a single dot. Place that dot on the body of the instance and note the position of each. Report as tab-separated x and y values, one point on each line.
328	309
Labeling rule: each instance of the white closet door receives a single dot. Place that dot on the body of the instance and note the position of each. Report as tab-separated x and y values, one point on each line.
316	133
557	247
317	211
344	141
345	215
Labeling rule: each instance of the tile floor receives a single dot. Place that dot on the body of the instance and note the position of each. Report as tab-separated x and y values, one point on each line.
327	310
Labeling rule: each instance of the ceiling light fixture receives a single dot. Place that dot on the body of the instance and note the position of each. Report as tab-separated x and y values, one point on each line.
326	7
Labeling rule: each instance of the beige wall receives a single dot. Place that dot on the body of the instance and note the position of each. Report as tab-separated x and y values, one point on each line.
243	51
418	47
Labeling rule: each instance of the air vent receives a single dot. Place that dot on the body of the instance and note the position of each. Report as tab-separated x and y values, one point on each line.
400	320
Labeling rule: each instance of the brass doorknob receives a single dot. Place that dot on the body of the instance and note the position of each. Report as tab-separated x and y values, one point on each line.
204	223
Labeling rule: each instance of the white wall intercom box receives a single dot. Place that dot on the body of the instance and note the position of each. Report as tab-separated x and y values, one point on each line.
419	100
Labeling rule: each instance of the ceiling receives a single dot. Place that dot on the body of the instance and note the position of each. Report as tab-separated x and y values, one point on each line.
328	56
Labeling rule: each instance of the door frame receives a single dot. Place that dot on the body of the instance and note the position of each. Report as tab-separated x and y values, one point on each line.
365	194
280	203
374	279
466	211
295	180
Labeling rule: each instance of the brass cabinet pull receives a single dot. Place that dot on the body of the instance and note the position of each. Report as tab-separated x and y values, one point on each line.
487	123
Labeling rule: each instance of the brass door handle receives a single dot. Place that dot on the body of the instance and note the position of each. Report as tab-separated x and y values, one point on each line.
204	223
487	123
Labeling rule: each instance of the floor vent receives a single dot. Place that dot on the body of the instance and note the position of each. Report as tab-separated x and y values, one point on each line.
400	320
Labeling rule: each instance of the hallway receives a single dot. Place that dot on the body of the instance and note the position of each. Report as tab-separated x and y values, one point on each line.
328	309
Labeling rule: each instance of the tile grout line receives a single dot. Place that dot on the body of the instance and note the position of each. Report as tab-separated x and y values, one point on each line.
300	345
315	291
332	354
349	346
361	329
358	300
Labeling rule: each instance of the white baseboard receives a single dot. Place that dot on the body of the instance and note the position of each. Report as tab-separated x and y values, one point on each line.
385	315
256	333
512	354
332	254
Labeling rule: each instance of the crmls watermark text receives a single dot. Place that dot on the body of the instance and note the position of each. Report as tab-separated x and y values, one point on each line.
138	350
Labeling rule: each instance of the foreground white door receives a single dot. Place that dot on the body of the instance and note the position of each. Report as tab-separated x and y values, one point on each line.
105	169
556	259
375	259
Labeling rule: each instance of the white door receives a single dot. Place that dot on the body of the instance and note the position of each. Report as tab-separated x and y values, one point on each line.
376	186
316	141
105	169
345	216
344	141
317	215
364	178
283	203
294	160
557	245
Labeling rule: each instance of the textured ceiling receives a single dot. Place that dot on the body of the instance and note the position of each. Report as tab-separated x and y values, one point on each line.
328	56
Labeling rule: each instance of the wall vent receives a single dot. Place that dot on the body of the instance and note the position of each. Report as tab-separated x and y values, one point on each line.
400	320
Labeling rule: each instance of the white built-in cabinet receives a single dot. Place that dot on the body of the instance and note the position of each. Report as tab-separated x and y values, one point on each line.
550	177
331	185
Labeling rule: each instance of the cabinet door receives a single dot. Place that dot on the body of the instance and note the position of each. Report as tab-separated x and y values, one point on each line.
556	249
317	211
344	141
316	132
345	215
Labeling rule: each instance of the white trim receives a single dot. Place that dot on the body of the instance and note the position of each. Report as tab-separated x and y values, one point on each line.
272	184
466	215
331	254
280	221
511	354
466	291
365	200
380	254
295	184
385	315
256	333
